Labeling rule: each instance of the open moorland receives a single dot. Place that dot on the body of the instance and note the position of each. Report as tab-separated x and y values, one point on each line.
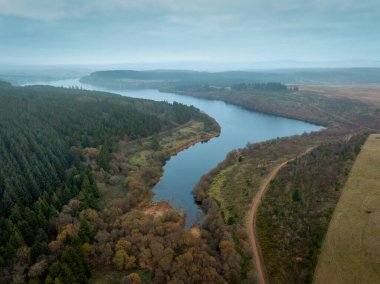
366	93
351	251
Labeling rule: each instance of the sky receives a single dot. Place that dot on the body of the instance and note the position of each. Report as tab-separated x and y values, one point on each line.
177	33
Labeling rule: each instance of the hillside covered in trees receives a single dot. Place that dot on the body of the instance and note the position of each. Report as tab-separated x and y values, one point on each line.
50	200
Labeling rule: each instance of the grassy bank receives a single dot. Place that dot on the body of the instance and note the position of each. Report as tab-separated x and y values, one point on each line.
351	250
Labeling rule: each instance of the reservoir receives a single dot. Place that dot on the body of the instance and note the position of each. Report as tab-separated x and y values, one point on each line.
238	127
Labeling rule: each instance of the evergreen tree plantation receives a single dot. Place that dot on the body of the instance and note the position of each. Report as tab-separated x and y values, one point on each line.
43	134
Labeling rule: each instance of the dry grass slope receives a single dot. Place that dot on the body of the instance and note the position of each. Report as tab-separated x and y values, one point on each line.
351	252
369	94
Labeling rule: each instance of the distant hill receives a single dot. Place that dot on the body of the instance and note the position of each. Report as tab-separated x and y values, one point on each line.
32	74
337	76
5	84
159	78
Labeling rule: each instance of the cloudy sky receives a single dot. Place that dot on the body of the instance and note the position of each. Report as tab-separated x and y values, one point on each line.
162	31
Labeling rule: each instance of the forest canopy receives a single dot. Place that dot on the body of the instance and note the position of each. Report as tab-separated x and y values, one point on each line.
43	131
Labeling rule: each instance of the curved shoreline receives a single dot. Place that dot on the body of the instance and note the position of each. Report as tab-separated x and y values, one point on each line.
194	142
273	113
315	122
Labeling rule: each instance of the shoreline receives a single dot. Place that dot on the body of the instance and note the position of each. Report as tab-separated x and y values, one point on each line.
316	122
193	142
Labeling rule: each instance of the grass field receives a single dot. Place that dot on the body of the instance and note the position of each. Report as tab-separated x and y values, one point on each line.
369	94
351	251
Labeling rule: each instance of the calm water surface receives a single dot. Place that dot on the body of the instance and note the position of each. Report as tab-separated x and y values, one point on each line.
239	126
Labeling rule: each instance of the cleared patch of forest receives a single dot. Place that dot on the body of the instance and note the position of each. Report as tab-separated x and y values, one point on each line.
351	250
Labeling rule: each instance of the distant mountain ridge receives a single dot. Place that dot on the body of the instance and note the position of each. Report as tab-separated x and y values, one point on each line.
157	78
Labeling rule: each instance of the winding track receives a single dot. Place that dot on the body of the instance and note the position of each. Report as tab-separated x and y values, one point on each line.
253	212
252	219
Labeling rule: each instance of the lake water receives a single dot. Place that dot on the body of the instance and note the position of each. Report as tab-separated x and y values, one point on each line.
239	127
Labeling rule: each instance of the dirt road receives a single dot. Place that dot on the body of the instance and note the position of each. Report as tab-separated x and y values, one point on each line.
253	212
252	220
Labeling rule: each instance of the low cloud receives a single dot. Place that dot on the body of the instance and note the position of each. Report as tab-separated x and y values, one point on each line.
131	30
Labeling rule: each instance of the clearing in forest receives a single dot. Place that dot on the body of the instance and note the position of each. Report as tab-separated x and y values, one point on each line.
351	251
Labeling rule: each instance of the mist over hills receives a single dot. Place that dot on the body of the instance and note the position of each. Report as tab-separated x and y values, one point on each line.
156	78
125	75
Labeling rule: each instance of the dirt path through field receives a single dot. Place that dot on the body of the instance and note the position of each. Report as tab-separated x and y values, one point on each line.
252	219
